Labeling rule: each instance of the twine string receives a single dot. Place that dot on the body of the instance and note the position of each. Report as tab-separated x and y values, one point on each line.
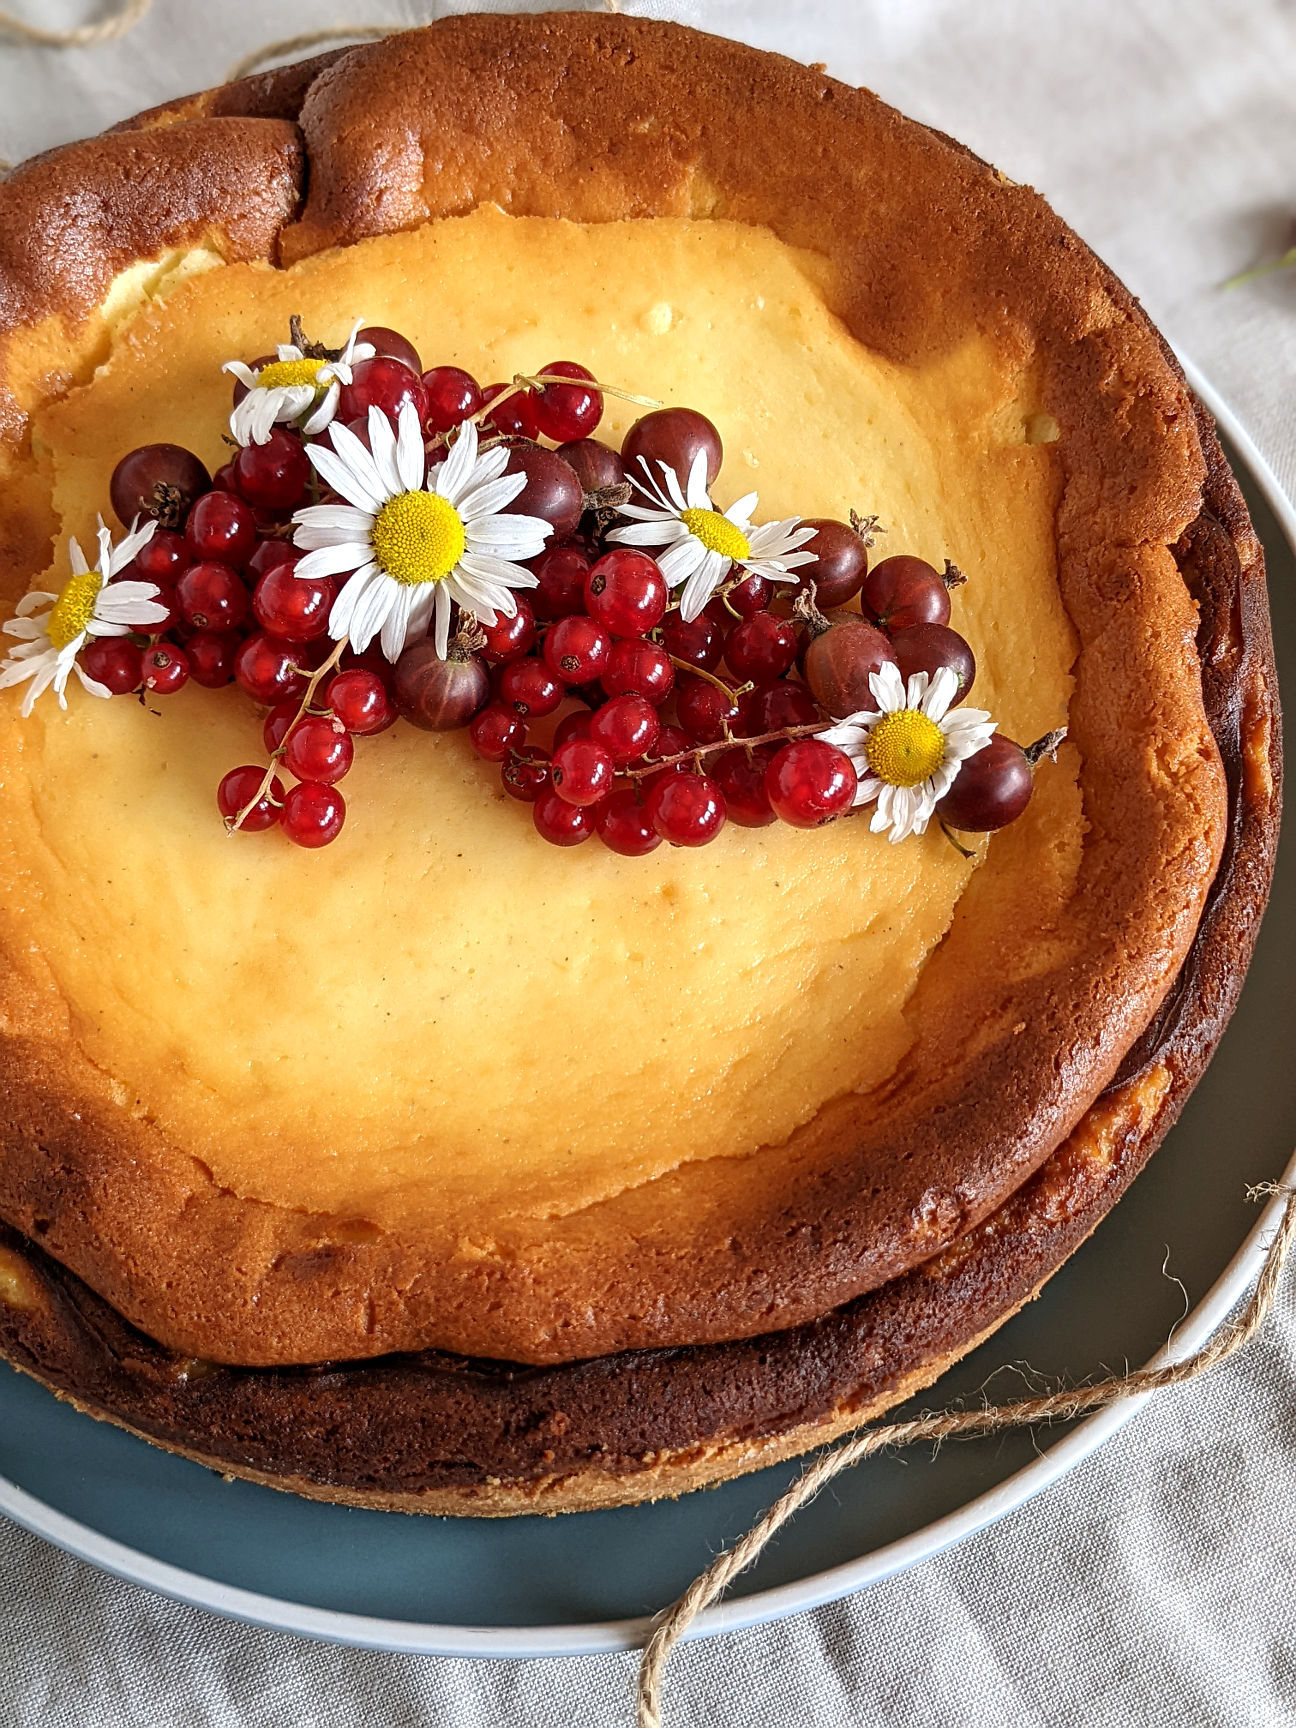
120	21
1059	1406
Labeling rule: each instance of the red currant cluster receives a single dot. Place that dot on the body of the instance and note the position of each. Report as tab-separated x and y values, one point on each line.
604	708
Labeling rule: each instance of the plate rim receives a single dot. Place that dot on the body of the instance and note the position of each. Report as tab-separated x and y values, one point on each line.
405	1637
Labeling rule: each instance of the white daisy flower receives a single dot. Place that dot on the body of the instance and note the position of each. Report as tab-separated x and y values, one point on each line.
290	386
416	540
51	639
702	543
908	753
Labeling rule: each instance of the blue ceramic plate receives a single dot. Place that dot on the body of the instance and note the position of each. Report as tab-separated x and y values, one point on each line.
548	1586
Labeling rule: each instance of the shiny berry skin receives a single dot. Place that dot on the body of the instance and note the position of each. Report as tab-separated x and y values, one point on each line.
623	824
515	418
223	478
272	552
164	669
157	480
266	668
567	411
238	788
453	396
638	668
221	528
273	475
595	465
771	707
164	558
439	695
294	607
673	436
552	490
510	638
113	662
901	591
685	809
577	649
276	725
704	710
627	727
560	574
581	771
839	664
389	344
383	384
573	725
530	688
361	702
750	596
561	823
671	741
313	815
990	790
526	777
928	647
762	648
211	657
496	731
740	775
212	597
319	749
626	592
809	782
700	643
840	566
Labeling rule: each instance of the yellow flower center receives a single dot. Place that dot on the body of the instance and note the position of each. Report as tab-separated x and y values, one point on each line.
905	748
717	533
74	608
280	372
418	537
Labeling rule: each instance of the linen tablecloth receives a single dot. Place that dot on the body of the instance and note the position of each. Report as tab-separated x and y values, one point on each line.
1152	1586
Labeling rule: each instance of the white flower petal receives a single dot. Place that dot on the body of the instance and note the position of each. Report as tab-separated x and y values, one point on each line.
455	474
411	458
695	490
442	615
395	630
324	414
382	446
333	560
888	688
486	497
349	468
740	513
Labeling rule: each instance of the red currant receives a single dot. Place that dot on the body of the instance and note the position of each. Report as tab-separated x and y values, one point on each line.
294	607
223	478
239	787
515	418
686	809
771	707
384	384
673	436
313	815
211	657
746	598
901	591
163	558
560	573
530	688
361	702
573	725
164	669
577	649
928	647
276	474
582	771
638	668
705	711
990	790
700	643
276	725
268	669
627	727
740	775
390	345
212	597
496	731
319	749
809	782
222	528
671	741
626	592
510	638
272	552
453	396
113	662
624	825
762	648
567	411
526	777
561	823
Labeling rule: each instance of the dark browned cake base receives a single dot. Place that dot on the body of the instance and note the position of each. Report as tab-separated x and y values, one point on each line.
437	1433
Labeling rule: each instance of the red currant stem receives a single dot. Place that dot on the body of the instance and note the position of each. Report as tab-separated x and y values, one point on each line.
962	850
1045	746
532	382
313	680
783	736
710	677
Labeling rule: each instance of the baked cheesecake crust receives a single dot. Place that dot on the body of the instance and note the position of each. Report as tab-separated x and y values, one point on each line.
1021	1020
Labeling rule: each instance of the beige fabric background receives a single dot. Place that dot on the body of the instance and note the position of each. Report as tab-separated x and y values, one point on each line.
1154	1586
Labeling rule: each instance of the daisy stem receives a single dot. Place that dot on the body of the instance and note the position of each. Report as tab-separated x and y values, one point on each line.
529	382
784	735
234	823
